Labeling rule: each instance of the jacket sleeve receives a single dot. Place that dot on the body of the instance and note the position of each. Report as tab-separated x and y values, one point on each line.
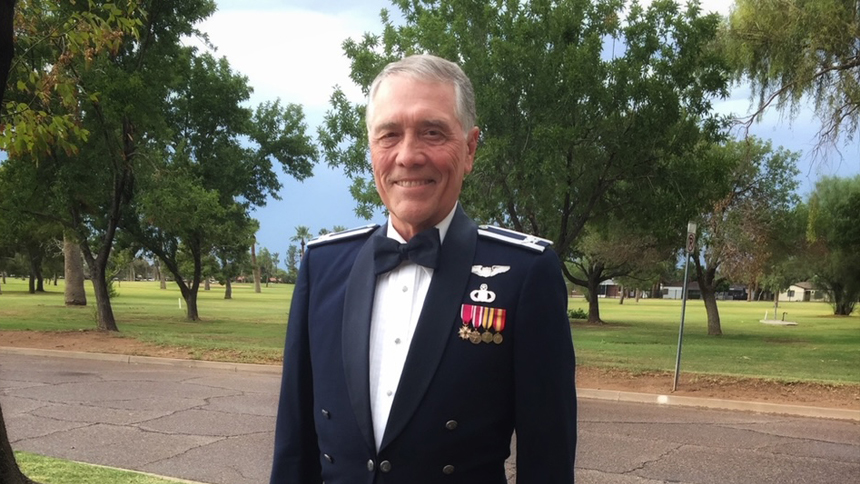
296	459
544	378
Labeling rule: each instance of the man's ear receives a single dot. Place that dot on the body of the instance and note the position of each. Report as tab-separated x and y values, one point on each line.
471	147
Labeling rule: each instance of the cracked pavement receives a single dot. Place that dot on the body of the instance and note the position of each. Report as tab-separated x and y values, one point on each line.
217	426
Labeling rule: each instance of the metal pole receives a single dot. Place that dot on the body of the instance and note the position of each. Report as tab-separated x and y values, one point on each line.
688	249
683	312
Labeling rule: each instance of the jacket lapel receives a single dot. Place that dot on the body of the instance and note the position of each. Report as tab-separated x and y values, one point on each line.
355	343
433	330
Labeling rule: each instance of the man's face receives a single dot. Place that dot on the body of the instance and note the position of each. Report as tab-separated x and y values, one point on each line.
419	151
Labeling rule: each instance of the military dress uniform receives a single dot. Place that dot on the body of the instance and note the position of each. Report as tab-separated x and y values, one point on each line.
491	354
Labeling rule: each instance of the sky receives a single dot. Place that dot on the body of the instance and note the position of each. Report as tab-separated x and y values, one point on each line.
291	49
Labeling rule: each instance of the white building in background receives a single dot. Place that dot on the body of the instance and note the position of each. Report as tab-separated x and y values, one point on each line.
801	291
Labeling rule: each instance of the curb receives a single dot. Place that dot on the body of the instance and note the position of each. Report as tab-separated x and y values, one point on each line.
147	360
720	404
586	393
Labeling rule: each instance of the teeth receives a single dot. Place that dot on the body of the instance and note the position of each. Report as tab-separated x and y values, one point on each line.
409	184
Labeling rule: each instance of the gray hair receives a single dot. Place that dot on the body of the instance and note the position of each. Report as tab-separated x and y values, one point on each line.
429	68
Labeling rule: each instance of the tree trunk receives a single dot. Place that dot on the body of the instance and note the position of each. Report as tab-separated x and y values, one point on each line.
162	279
34	255
10	473
656	293
776	304
843	299
593	286
106	320
845	308
708	287
638	294
228	290
256	269
206	284
75	293
593	307
190	297
710	299
622	295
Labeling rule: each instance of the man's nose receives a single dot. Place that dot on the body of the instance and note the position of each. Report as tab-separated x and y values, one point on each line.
410	151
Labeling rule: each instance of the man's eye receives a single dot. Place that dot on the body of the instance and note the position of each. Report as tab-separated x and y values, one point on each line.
434	134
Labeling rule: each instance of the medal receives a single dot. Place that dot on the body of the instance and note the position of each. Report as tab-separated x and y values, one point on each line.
486	337
474	337
498	338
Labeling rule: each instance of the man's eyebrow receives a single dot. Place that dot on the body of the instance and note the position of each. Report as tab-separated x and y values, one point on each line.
388	125
436	123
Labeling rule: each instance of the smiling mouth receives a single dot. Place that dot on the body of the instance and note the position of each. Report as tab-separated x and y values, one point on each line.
412	183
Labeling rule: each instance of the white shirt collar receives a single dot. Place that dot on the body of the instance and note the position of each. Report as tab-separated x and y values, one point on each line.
442	226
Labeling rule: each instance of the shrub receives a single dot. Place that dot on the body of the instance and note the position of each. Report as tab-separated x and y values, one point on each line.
577	313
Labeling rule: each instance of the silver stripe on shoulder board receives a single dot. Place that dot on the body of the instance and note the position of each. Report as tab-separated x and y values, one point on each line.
526	237
342	235
529	241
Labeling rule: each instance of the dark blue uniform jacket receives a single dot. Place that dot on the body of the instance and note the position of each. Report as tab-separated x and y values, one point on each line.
458	401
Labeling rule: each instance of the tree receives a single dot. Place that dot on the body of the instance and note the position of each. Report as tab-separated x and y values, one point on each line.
74	293
208	181
303	234
792	50
584	107
292	263
834	234
748	211
97	85
612	250
9	471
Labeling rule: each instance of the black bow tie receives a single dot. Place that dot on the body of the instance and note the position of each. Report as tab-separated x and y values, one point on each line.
422	249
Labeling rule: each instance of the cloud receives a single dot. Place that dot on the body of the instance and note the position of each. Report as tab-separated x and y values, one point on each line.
293	54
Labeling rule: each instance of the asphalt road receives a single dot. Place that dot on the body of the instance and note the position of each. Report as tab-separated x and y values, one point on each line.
216	426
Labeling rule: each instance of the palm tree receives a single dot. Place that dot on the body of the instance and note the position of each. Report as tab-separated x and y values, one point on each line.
303	233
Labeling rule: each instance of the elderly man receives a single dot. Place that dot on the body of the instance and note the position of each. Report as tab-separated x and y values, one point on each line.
414	350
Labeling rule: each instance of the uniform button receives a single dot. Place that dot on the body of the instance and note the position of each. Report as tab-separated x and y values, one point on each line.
371	465
385	466
451	424
397	341
325	413
405	288
448	469
389	393
329	458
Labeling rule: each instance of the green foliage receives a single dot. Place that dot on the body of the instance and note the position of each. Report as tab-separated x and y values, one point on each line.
741	231
584	107
61	40
577	313
795	49
835	240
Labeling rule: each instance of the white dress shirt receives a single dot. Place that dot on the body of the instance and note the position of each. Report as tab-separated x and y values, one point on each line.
397	304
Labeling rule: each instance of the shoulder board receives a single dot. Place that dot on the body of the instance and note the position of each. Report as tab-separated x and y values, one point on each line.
513	237
344	235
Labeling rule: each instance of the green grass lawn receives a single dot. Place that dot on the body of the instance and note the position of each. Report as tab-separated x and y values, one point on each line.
638	336
48	470
644	336
250	327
